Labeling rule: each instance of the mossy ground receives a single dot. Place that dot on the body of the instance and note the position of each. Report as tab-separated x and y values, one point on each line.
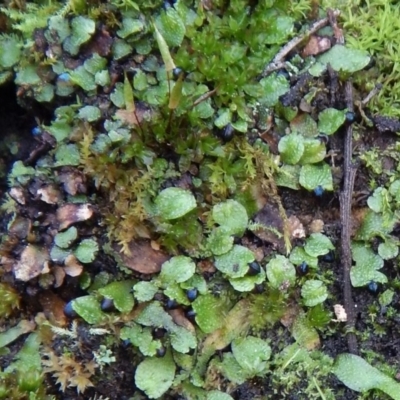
121	137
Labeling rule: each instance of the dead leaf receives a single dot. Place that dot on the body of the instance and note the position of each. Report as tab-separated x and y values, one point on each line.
49	194
72	267
143	258
53	308
33	262
316	45
69	214
178	316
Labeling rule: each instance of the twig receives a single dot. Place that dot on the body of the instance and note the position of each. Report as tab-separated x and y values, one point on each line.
204	97
349	175
345	218
278	61
371	94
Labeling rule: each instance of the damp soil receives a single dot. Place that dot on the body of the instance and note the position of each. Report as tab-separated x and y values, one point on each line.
116	380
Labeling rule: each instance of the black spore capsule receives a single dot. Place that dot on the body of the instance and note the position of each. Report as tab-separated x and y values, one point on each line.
303	268
329	257
107	305
283	72
171	304
161	351
254	268
192	294
191	314
227	133
350	116
319	191
159	333
373	287
69	311
177	72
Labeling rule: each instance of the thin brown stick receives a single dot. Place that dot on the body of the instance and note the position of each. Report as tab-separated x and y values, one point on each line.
204	97
278	61
345	219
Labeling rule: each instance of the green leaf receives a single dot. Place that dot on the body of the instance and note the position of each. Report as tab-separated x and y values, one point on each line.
291	148
304	333
273	86
95	64
60	130
142	338
177	269
388	249
280	272
240	126
305	126
28	76
171	27
66	238
360	376
314	292
44	93
367	264
129	27
120	49
89	113
144	291
120	293
379	201
154	315
248	282
58	255
117	96
88	307
231	216
102	78
288	176
182	340
210	312
82	30
174	203
140	80
86	250
330	120
217	395
235	262
29	356
318	245
312	176
343	59
314	152
219	241
252	354
10	51
155	375
298	256
224	118
386	297
278	29
374	225
83	78
230	368
67	154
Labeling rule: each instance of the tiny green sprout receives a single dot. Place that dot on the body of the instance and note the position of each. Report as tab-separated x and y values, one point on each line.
103	356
